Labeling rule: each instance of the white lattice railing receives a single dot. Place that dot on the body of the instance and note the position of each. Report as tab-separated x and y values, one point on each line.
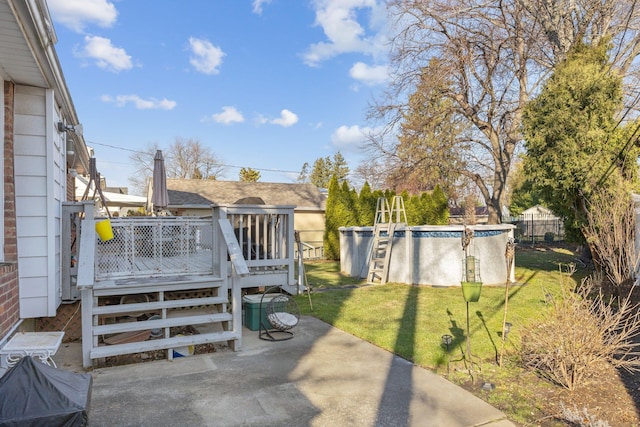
157	246
145	247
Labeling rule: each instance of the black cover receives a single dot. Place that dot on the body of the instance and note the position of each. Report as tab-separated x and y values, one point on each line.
34	394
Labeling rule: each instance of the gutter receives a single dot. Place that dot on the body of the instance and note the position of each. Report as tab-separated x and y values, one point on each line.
33	16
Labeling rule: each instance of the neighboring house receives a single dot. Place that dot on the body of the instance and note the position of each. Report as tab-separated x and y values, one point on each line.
457	215
194	197
42	152
118	203
534	223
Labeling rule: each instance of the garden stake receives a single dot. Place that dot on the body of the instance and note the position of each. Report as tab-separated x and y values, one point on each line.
509	255
306	282
296	235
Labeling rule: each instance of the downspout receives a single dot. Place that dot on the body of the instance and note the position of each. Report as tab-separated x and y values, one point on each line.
13	330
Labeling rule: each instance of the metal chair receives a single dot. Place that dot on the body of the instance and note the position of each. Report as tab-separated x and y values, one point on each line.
279	313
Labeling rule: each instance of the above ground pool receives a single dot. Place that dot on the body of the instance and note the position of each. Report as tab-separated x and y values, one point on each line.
430	254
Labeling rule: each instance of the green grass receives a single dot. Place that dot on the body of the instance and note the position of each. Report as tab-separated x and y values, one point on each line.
326	275
411	320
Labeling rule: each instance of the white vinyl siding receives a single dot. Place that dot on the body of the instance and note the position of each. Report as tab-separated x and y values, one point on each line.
39	185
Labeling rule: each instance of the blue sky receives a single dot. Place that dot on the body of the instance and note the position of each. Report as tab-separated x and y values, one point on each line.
266	84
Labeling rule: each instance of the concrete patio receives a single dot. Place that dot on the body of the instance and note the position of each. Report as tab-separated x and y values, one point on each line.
322	377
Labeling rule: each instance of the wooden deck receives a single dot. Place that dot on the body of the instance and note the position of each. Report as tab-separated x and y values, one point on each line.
182	266
112	265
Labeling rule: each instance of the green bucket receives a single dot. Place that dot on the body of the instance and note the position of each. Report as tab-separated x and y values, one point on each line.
471	291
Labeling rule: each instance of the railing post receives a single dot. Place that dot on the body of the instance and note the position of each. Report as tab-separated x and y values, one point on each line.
290	247
219	250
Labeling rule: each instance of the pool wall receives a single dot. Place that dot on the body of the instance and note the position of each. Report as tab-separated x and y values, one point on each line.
429	254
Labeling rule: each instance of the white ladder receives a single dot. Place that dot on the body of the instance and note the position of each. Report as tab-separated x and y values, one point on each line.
383	231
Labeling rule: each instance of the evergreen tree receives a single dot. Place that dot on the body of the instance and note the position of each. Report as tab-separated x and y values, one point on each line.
320	175
573	138
249	175
324	168
366	206
332	222
303	177
438	211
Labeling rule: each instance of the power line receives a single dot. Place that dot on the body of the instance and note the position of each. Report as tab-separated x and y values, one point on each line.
221	164
117	148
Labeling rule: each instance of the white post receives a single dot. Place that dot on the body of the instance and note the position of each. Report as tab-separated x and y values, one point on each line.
238	270
87	325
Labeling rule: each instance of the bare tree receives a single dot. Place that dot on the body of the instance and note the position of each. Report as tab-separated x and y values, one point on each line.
371	171
492	55
143	161
611	233
185	158
189	159
482	70
567	22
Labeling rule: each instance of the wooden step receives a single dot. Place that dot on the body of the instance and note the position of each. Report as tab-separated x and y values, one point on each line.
161	323
146	307
128	337
161	344
175	283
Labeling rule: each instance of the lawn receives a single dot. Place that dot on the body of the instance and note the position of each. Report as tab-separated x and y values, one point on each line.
411	321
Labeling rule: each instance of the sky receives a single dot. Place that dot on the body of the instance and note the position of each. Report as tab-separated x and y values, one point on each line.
264	84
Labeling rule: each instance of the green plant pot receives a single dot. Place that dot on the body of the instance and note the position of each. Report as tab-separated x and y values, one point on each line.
471	291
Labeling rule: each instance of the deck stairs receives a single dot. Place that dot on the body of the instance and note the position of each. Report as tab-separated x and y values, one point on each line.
124	311
387	219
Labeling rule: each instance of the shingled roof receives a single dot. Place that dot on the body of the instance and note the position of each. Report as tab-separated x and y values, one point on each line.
193	192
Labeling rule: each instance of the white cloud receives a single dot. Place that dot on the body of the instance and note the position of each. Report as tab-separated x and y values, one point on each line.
369	74
260	119
229	115
257	6
106	55
345	34
206	58
76	14
350	138
140	104
286	119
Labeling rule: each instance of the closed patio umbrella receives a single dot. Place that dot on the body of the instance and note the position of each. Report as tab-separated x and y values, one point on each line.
160	196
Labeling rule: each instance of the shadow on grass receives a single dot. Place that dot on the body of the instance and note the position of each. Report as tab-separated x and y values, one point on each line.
489	334
457	333
391	411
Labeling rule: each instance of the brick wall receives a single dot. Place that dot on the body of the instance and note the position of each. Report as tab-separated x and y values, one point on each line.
9	298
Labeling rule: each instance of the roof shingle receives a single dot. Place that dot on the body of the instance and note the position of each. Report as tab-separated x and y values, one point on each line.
205	192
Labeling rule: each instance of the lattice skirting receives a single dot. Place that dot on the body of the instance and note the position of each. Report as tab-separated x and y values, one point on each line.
68	319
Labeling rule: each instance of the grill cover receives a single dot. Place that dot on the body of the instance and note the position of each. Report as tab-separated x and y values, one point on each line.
34	394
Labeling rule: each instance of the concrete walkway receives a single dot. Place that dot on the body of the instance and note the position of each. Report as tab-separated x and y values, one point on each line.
322	377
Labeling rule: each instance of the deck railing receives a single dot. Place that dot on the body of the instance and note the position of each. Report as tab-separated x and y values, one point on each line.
158	246
265	234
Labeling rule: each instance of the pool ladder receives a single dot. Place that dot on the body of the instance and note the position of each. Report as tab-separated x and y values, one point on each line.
383	231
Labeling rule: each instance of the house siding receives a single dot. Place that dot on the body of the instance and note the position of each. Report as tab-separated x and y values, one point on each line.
39	190
9	296
310	224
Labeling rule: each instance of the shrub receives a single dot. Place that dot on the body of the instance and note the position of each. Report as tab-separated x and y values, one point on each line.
549	237
580	331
